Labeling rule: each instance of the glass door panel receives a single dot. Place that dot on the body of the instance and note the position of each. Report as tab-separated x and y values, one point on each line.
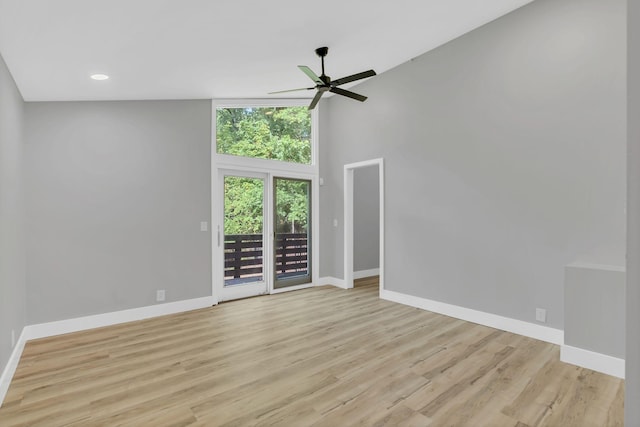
243	235
292	225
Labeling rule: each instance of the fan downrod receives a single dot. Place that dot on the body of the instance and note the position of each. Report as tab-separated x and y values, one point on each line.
322	52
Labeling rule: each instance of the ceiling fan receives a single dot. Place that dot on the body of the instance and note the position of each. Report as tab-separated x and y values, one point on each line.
325	84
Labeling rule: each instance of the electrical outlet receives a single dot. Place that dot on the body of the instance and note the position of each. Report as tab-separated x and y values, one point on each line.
13	338
160	295
204	226
335	222
541	315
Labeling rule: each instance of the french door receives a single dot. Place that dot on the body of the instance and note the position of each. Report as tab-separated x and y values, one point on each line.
292	226
242	234
263	233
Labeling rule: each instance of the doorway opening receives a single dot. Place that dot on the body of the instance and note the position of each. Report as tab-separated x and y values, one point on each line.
349	178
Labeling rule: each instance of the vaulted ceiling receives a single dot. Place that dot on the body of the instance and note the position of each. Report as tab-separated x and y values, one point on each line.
189	49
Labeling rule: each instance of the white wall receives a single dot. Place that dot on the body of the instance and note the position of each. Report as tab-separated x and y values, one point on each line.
505	158
115	192
12	252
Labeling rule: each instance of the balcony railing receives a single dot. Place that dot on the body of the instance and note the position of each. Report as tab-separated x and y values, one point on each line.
243	257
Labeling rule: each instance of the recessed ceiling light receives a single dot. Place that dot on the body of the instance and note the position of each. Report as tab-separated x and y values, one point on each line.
99	76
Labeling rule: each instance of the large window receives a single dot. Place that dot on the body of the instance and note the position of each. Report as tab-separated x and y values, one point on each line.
275	133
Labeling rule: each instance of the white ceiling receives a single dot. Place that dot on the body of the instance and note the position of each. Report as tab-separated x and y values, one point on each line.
188	49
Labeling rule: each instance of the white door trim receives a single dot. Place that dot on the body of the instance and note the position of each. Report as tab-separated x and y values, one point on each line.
348	218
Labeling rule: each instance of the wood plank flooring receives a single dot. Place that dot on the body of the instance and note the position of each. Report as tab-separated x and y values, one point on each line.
316	357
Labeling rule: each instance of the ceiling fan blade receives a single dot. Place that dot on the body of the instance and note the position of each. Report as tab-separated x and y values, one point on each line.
353	78
309	72
291	90
348	94
316	99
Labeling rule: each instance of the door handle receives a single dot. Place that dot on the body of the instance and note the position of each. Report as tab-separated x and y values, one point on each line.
218	236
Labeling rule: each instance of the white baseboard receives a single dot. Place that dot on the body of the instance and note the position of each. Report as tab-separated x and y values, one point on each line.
591	360
339	283
366	273
59	327
12	364
539	332
333	281
584	358
43	330
576	356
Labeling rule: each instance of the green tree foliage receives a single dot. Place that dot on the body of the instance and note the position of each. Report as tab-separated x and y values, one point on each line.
291	205
243	205
281	133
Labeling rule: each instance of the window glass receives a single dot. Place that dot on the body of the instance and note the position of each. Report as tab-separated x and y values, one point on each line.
276	133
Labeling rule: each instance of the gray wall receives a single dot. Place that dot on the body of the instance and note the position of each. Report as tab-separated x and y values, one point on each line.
329	257
504	158
366	219
12	252
632	362
115	192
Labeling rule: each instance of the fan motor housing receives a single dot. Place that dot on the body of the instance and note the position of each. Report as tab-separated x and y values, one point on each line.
322	51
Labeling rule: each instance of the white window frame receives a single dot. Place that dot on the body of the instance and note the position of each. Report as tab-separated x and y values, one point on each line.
272	168
229	160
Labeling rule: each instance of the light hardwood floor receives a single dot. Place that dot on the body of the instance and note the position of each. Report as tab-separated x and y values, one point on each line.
316	357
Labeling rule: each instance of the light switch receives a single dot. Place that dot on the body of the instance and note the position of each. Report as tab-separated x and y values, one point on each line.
204	226
321	181
335	222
